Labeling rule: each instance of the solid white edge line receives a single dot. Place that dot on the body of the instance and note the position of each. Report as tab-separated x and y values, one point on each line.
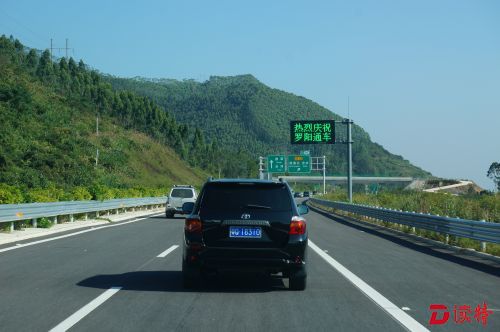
168	251
17	246
402	317
85	310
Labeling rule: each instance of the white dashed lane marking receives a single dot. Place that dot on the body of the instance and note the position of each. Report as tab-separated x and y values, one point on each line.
168	251
87	309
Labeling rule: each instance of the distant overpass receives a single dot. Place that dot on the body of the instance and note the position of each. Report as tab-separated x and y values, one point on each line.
343	179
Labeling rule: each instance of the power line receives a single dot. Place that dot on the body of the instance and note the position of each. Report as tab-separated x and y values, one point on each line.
23	26
7	30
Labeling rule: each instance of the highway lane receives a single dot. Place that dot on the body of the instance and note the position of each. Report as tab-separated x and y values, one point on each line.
153	299
43	285
38	284
411	275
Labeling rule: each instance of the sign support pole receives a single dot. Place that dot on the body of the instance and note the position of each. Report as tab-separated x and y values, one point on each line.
349	159
324	175
261	168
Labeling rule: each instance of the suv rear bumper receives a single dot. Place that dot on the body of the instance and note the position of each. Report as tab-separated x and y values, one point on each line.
174	210
290	257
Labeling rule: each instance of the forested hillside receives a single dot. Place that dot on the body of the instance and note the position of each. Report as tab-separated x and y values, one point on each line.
243	114
48	137
151	133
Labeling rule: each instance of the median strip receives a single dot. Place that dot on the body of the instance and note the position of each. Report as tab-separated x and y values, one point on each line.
87	309
168	251
399	315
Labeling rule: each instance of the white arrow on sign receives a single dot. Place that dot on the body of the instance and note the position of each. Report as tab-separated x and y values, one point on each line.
271	162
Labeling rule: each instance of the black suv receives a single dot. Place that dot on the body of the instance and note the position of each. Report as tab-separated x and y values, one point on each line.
248	225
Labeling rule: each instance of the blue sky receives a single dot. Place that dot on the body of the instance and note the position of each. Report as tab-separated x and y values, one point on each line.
423	76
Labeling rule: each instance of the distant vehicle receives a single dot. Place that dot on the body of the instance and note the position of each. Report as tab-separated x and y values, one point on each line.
297	195
306	194
179	195
243	224
314	193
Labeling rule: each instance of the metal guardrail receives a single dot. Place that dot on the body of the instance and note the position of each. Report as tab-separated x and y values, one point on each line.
32	211
472	229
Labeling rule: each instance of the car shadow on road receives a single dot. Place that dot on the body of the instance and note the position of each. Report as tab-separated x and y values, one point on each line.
419	244
171	281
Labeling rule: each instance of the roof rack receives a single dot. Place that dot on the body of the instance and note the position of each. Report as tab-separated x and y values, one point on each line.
183	185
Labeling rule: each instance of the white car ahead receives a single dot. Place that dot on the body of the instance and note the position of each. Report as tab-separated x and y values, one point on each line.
179	195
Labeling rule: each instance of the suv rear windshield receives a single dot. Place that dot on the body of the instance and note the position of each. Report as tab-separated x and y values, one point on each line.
237	196
182	193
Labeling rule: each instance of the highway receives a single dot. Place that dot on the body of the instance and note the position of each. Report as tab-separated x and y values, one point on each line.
127	278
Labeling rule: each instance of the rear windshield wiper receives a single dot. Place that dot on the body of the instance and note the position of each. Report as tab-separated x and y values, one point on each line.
254	206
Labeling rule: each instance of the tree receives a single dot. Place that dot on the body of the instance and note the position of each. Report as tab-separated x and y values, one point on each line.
81	65
198	147
64	77
44	69
32	59
73	68
494	174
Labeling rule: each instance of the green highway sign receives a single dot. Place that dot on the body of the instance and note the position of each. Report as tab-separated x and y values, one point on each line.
299	164
312	132
276	164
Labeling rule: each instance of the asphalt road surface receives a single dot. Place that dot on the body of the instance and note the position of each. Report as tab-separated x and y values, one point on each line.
128	278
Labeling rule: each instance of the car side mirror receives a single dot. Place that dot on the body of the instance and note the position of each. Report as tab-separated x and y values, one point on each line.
303	209
187	207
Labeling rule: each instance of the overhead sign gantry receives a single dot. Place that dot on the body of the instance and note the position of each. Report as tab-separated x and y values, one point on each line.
310	132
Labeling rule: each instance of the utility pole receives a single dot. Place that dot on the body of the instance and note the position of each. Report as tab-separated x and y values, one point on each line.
348	108
97	135
52	48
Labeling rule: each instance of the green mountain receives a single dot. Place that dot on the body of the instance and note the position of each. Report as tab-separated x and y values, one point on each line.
242	114
152	133
48	139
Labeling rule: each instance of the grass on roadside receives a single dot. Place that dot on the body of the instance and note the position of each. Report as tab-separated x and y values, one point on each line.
426	203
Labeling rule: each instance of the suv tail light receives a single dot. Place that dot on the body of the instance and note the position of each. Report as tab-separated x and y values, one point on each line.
192	225
297	226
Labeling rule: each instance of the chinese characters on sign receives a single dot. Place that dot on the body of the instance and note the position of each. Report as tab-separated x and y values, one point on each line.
294	164
312	132
461	314
299	164
276	164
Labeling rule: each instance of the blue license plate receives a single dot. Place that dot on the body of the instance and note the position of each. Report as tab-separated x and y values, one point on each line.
245	232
